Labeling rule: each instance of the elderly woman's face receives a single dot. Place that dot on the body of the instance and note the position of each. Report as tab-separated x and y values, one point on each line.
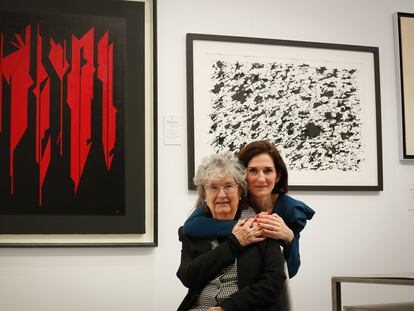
223	196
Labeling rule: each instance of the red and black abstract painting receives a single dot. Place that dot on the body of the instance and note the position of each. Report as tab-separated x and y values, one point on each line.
61	114
71	105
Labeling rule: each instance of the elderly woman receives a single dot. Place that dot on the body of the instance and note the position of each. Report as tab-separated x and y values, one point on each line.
242	271
280	216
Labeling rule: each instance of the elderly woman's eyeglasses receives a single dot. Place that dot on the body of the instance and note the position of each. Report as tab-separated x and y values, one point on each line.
228	188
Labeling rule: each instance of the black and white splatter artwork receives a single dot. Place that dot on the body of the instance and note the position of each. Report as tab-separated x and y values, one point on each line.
310	112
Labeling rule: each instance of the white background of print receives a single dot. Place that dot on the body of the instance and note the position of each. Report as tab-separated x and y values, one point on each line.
206	53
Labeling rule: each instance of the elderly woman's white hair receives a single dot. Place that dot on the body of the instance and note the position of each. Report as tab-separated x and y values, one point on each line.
219	166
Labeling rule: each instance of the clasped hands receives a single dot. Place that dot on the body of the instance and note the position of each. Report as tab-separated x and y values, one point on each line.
263	226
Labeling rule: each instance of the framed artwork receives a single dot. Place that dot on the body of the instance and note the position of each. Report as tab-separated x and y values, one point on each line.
319	103
405	58
77	123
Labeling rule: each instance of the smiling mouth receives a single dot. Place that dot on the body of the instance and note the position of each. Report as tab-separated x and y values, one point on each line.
222	203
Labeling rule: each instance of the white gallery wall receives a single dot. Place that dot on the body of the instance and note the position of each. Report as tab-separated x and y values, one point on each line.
352	232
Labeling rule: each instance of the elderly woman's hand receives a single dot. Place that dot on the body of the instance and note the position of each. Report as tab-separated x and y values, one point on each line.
216	309
274	227
247	232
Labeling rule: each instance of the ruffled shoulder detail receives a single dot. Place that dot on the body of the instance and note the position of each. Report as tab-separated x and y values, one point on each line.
294	212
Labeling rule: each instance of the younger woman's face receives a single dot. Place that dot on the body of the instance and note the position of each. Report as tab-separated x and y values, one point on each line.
261	176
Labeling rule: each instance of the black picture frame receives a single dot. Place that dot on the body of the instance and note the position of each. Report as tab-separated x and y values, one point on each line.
137	226
404	49
209	84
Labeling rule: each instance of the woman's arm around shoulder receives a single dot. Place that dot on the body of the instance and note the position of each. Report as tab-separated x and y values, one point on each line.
294	212
199	225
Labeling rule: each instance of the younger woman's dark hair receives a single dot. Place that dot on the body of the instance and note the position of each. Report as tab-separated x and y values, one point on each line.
256	148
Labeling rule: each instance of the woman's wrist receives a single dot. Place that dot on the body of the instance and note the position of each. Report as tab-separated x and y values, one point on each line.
290	237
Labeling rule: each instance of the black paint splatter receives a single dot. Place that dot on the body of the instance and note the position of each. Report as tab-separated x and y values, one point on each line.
312	113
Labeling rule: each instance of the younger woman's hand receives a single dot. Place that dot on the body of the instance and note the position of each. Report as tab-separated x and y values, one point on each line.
274	227
216	309
247	232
